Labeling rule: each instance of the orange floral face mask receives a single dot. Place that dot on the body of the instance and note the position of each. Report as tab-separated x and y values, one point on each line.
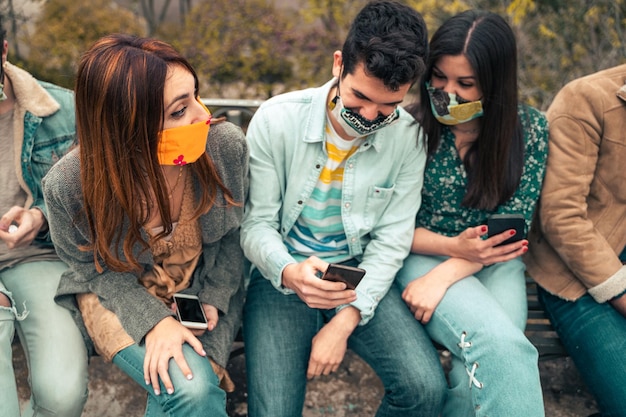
184	144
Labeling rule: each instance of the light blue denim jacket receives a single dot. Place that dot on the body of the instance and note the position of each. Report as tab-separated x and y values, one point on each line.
44	128
382	185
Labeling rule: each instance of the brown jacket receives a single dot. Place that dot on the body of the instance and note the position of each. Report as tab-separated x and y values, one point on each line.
580	227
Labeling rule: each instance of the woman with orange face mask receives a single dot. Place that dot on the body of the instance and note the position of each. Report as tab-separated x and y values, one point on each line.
156	212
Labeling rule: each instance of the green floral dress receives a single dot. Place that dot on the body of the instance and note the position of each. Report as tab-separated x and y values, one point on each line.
445	181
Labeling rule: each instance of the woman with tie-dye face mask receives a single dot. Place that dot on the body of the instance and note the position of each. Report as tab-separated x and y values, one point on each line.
487	156
156	212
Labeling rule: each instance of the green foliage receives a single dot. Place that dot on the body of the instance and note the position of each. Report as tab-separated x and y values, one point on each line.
254	49
561	40
436	12
67	28
245	46
325	25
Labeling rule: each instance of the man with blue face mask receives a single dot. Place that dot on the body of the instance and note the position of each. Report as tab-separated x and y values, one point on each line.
335	177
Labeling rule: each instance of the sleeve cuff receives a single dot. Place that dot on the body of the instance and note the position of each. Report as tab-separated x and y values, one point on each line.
611	288
365	304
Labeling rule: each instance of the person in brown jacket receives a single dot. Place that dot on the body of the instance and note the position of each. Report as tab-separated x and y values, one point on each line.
578	238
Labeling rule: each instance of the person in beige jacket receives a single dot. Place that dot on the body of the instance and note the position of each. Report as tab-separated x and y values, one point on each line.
578	238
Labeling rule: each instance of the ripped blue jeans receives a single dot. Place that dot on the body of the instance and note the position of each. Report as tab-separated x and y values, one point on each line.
480	320
54	347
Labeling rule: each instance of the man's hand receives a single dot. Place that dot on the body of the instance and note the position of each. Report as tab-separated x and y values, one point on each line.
330	343
470	245
316	293
29	223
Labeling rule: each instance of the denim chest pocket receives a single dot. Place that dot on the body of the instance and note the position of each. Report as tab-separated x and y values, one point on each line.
46	154
378	199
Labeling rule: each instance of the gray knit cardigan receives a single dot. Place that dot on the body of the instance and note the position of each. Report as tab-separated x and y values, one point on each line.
217	280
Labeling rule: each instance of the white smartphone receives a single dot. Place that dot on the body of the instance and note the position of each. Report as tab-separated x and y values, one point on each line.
189	311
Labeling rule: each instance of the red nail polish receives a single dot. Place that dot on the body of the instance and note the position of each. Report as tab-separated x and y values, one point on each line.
512	232
483	229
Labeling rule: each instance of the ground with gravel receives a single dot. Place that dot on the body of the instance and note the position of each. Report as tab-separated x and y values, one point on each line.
354	390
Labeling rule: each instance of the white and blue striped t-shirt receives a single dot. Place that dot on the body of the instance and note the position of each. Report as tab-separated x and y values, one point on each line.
319	229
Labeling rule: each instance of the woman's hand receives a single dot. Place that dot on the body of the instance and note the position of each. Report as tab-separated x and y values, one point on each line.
163	342
212	317
470	245
423	295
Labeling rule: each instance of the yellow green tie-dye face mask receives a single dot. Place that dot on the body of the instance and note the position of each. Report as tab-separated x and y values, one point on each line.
450	109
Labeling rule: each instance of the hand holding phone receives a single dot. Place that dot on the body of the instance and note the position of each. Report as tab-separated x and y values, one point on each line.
189	311
498	223
350	275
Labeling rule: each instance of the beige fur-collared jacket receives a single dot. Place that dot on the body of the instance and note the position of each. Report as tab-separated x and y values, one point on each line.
580	227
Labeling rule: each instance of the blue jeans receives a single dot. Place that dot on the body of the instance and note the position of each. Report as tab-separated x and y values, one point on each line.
53	345
199	397
279	328
480	320
594	335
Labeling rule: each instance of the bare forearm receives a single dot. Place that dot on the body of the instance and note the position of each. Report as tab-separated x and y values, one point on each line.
455	269
426	242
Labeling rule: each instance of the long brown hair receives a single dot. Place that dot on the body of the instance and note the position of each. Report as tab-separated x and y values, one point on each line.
495	161
119	113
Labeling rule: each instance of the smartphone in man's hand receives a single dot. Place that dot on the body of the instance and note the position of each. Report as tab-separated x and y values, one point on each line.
350	275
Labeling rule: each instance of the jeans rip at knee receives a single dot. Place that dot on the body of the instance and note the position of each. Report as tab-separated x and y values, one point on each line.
13	309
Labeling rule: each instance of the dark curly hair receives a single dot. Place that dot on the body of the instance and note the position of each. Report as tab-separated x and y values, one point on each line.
391	40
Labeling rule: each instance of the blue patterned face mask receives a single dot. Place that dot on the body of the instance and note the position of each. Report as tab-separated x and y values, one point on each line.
356	125
450	109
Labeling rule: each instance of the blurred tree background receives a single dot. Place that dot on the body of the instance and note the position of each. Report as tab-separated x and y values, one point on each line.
258	48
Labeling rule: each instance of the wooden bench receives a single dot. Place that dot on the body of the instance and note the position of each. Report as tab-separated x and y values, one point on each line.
538	328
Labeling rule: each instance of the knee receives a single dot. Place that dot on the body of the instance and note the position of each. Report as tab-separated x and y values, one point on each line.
419	390
8	310
512	344
4	300
510	351
202	392
59	397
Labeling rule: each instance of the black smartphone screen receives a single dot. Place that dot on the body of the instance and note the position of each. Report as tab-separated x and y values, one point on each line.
499	223
350	275
189	309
